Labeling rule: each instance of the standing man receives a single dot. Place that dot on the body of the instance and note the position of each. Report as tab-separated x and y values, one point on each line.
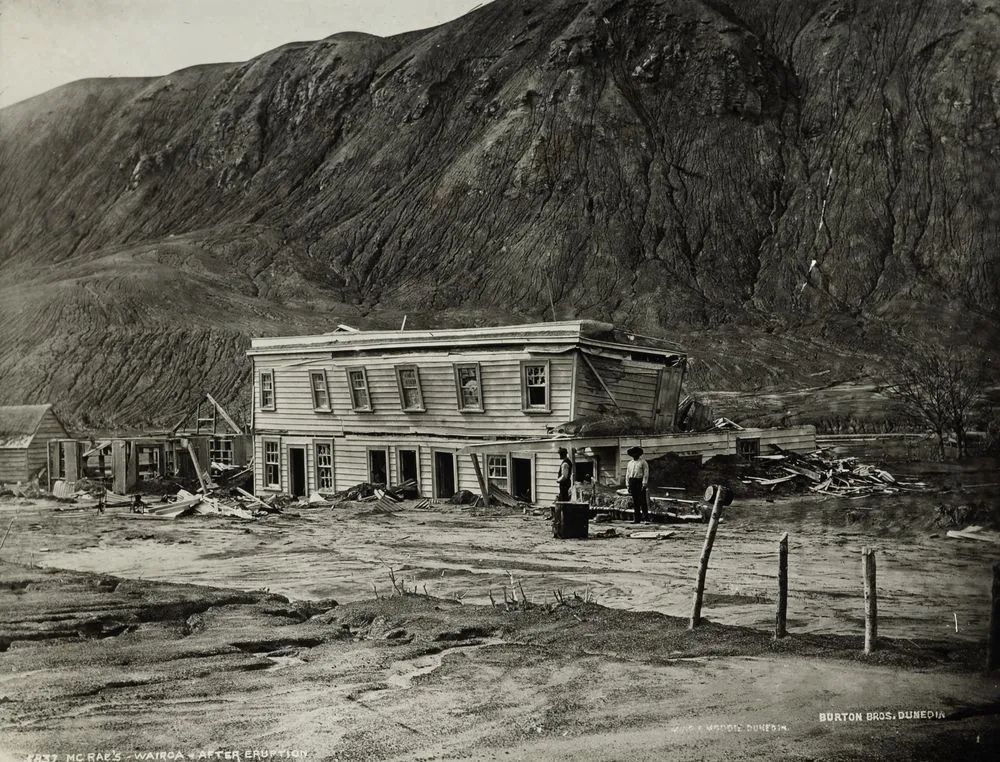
565	478
637	480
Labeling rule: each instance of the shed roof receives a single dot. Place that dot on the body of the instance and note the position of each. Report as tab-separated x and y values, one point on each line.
18	424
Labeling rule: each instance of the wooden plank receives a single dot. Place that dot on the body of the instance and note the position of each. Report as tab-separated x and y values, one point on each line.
225	416
667	396
975	534
253	498
119	483
483	488
71	454
197	466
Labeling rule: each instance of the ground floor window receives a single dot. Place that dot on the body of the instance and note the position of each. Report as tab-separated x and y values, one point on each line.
496	471
324	465
272	464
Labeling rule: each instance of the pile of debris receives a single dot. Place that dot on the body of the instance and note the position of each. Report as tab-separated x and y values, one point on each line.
780	472
88	494
384	496
821	473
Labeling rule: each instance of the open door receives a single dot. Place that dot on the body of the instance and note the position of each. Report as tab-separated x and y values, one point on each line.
378	467
444	474
521	480
297	471
408	470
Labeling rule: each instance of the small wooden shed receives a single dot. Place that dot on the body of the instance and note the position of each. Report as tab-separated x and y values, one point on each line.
25	431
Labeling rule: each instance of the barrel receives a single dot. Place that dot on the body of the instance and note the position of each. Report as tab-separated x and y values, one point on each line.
571	521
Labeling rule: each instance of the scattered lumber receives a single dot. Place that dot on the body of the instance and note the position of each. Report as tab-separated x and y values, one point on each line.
503	497
975	533
820	473
254	499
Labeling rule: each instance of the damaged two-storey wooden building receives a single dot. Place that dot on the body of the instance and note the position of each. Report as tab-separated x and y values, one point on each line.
457	409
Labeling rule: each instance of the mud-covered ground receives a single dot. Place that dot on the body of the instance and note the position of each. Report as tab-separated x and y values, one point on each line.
181	636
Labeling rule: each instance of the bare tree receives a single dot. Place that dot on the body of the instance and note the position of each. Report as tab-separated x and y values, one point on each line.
939	387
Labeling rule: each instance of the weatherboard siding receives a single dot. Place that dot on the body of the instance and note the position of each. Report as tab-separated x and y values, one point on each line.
634	385
13	465
350	462
500	375
38	453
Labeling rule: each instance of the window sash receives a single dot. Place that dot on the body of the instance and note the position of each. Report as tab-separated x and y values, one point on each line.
469	387
410	393
357	381
320	390
535	392
324	465
272	463
267	390
497	472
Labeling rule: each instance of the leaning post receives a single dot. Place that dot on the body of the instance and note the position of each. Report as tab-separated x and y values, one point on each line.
780	616
871	599
484	487
993	648
721	493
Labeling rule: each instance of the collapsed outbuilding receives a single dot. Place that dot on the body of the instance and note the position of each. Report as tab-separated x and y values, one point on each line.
25	433
205	440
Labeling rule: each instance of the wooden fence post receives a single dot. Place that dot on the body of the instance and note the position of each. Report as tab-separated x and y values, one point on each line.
871	599
706	551
993	648
779	620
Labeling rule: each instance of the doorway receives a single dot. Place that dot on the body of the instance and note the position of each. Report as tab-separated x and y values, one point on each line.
444	474
408	471
297	471
520	479
378	467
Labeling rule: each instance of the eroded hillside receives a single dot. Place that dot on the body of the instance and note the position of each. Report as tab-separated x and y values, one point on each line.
815	167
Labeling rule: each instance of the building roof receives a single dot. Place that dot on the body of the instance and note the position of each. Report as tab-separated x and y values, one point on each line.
18	424
564	334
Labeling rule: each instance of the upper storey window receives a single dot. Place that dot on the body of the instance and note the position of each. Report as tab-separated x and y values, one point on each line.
535	393
320	390
267	390
408	380
357	381
468	386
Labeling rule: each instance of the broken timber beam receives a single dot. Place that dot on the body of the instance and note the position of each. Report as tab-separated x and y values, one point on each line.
483	487
197	466
254	498
225	416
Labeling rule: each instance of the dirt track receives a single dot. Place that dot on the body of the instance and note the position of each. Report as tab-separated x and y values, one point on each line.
139	666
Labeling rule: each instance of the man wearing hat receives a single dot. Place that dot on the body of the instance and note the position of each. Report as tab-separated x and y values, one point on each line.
637	479
565	478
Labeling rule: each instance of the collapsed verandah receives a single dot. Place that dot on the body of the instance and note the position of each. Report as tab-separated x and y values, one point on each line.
606	457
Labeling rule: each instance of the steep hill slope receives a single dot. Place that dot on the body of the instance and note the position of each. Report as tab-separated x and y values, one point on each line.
810	166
